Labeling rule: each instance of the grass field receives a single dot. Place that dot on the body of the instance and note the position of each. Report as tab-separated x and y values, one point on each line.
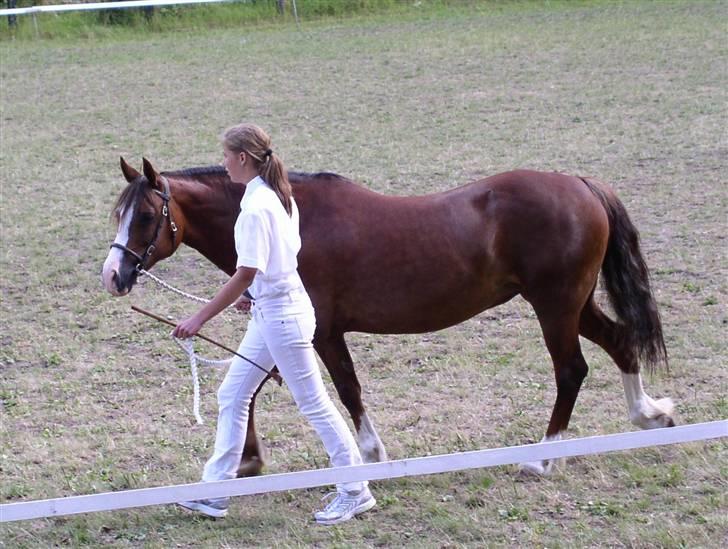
96	398
119	23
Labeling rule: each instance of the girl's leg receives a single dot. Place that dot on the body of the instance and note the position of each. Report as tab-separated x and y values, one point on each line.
289	335
233	399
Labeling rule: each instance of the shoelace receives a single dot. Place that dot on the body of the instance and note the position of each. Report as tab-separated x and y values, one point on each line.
340	500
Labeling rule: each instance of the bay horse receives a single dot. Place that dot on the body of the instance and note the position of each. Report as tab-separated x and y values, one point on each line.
392	265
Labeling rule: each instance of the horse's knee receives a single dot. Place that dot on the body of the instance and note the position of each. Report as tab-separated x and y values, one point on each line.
569	377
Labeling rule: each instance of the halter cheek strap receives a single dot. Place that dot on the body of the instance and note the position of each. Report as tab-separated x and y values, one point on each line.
166	213
166	210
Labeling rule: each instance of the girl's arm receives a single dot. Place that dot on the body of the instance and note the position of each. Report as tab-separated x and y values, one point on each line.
229	293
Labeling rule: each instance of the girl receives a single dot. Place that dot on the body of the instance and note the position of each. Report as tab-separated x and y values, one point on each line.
281	327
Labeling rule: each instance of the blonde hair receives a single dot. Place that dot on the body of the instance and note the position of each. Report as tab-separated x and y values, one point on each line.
254	142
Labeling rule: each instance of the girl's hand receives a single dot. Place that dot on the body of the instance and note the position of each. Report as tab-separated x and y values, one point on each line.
243	304
188	327
225	296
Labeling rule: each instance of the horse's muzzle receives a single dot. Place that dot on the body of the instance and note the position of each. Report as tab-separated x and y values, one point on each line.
119	283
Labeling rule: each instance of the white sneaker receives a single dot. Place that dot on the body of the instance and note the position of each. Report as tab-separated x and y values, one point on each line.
345	506
216	508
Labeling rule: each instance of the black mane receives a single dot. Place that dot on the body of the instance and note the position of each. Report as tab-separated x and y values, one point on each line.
300	177
198	171
139	188
295	176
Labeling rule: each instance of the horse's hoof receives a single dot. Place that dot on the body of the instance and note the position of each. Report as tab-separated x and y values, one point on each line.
655	415
541	468
535	468
251	467
667	407
658	422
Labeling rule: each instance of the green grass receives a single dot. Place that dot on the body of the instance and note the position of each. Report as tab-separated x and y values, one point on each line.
190	18
95	398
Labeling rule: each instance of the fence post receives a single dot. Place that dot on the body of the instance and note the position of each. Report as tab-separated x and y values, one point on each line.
12	19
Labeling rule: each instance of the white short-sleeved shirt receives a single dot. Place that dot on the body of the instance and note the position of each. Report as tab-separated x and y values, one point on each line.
268	240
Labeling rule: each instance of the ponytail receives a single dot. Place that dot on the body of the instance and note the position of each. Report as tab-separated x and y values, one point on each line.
252	140
275	174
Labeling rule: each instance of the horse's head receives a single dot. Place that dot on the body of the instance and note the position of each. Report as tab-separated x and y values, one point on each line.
148	229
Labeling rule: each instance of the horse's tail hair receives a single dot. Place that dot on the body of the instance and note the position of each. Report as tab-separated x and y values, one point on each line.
627	281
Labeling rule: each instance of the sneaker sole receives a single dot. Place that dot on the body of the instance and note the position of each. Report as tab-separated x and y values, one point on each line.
363	508
203	509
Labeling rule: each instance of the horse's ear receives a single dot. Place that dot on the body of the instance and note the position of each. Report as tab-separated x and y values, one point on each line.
130	174
150	173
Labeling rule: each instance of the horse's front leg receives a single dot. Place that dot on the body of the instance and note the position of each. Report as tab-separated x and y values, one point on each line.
253	458
335	356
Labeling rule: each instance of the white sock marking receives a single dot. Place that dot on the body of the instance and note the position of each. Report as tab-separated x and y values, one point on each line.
643	410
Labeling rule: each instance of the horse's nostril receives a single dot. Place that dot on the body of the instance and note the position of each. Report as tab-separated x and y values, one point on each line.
116	281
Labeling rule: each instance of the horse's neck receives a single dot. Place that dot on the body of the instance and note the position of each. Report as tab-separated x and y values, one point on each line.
209	211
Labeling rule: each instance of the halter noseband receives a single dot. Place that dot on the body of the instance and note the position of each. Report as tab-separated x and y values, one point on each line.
166	212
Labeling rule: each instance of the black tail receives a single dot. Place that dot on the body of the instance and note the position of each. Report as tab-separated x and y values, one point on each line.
627	280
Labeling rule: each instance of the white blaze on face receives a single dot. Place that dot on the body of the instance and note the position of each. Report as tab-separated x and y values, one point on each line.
113	260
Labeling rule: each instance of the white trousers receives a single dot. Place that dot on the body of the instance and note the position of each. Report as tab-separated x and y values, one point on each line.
279	332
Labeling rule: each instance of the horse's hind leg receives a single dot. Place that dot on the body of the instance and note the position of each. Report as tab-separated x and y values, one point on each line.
253	459
643	410
560	331
336	358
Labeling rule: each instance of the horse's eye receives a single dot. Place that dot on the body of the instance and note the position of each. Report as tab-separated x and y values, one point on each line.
145	218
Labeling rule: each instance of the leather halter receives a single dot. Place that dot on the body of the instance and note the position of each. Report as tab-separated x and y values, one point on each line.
166	213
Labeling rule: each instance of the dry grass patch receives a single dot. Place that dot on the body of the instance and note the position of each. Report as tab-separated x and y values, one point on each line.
96	398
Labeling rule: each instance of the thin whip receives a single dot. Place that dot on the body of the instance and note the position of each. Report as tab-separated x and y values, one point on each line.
186	345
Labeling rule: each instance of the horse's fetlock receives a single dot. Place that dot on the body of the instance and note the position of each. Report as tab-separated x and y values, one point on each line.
371	449
250	467
650	414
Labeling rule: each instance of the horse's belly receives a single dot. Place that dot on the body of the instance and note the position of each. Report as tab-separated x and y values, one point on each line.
399	316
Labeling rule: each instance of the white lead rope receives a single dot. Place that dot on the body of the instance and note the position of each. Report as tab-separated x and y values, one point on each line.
186	345
172	288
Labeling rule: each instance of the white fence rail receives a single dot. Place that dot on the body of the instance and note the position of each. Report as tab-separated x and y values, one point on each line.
56	8
370	471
